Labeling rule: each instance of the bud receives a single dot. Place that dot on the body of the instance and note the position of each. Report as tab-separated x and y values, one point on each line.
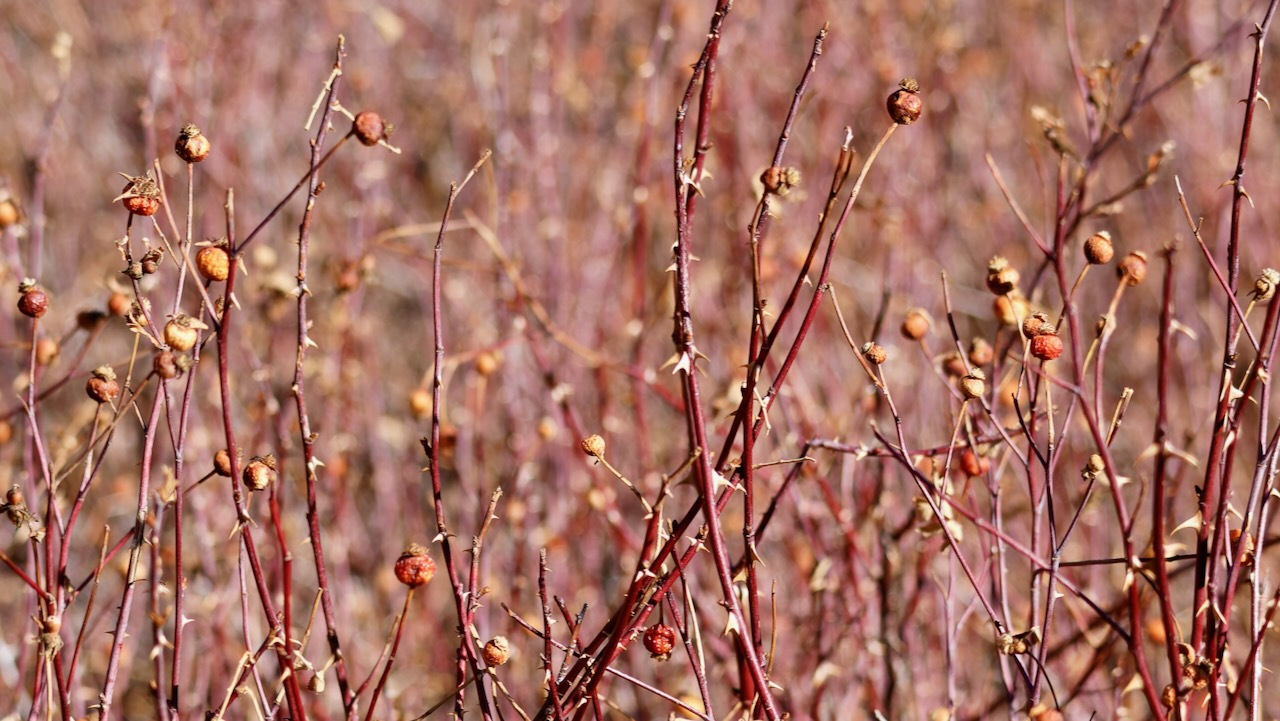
1246	551
151	260
118	304
487	363
213	262
953	365
182	332
47	350
972	464
1040	712
9	214
420	403
1010	644
165	365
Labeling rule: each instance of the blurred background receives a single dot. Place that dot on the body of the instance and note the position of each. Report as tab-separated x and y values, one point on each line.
557	307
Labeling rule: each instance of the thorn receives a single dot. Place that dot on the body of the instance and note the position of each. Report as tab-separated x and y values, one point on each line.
684	364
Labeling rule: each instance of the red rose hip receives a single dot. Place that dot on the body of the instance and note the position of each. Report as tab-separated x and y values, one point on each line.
414	567
33	303
1046	347
659	640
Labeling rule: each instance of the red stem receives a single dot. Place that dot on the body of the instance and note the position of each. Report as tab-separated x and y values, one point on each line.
395	646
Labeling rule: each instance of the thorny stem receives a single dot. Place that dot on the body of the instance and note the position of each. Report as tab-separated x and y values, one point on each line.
93	595
174	699
308	438
756	231
1205	628
139	531
395	646
431	445
623	618
179	506
933	496
1100	441
1213	265
687	175
1160	478
696	664
552	692
607	669
49	389
307	178
243	520
31	582
683	337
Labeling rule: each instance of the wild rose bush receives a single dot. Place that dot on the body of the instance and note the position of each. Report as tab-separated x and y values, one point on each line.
634	360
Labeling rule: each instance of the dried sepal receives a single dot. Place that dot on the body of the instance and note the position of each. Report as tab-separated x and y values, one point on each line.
141	194
1002	278
928	523
779	180
1264	288
1092	468
1054	130
1011	644
15	509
